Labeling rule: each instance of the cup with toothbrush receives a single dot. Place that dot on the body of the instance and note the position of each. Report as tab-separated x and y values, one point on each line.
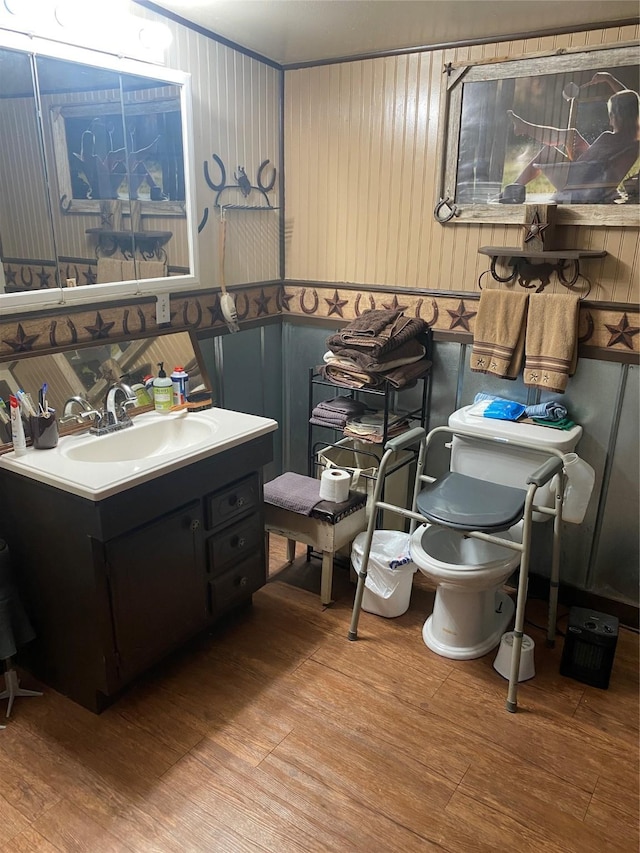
43	423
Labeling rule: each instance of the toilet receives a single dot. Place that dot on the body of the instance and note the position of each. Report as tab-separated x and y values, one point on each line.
470	611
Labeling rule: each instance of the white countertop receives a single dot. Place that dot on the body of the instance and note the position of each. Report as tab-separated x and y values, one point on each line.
96	467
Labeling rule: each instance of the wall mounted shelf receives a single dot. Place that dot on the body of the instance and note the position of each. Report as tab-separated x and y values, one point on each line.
148	243
531	265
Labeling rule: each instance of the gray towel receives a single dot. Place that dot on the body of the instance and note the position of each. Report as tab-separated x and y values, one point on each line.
294	492
343	406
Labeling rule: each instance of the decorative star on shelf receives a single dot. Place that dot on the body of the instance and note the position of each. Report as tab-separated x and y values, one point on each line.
461	317
285	298
216	311
262	302
90	276
100	330
394	305
44	278
536	228
10	276
22	342
335	304
622	333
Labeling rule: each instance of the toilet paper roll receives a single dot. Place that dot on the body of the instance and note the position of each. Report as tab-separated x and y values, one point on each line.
334	485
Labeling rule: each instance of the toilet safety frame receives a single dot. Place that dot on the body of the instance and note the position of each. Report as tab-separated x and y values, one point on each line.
550	471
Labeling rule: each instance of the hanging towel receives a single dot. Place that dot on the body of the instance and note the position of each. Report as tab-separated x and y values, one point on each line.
151	269
499	334
551	348
129	271
109	269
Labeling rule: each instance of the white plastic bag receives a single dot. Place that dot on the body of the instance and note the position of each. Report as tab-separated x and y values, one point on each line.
390	571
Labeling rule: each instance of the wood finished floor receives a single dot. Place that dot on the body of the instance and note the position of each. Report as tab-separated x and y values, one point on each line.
277	734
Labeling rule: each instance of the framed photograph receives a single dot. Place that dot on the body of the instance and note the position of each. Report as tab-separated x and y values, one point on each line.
559	129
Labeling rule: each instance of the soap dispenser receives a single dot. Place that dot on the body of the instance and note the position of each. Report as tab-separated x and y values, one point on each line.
162	390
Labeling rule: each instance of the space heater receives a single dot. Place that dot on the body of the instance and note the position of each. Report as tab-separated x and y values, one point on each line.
589	647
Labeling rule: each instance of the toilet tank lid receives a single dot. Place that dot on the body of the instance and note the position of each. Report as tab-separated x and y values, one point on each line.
562	440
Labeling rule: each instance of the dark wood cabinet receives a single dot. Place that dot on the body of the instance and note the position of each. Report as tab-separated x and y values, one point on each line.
113	586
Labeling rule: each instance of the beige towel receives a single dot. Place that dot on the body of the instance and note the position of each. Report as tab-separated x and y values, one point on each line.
128	271
109	269
499	332
152	269
551	348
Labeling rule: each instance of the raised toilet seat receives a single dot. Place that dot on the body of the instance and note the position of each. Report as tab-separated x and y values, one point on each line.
470	611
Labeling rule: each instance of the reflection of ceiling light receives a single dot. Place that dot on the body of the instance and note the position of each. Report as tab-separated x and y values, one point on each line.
24	7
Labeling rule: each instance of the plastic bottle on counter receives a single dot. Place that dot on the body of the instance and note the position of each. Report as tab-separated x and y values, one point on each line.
180	382
162	391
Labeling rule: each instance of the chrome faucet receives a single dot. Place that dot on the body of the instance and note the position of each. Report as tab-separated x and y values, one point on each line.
116	414
86	411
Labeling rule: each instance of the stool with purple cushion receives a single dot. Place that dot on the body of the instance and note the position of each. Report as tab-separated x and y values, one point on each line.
293	509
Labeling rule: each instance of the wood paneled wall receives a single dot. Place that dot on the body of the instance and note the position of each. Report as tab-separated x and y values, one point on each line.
236	115
362	165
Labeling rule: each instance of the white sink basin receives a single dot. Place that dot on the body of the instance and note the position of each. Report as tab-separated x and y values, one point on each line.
97	467
143	440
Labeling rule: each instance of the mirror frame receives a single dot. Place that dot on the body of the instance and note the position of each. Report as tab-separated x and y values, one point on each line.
15	303
559	62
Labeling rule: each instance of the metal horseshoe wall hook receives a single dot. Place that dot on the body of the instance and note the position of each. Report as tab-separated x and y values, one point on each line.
445	210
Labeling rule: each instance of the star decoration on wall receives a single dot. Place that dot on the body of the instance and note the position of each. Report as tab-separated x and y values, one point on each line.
10	276
22	341
622	333
284	299
336	304
394	305
100	330
216	311
262	302
44	277
90	276
461	317
536	228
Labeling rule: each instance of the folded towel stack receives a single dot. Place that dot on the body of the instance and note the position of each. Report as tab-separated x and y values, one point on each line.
336	412
378	346
370	427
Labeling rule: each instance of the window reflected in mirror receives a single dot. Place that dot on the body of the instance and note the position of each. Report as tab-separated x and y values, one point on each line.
92	175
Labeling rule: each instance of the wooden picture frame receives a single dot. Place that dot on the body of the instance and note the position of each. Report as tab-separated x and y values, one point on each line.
482	153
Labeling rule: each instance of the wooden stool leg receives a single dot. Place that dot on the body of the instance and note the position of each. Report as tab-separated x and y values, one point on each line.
291	550
326	578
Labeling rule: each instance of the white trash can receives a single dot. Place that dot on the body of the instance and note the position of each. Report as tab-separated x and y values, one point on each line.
390	571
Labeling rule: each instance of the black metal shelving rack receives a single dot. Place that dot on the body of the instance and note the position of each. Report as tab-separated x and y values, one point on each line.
389	395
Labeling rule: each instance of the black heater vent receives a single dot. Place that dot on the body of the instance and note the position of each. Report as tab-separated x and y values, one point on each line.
589	647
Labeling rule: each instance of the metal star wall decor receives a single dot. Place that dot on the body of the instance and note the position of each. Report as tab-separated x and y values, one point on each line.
283	299
10	276
461	317
216	311
394	305
336	304
90	276
622	333
100	330
44	278
535	228
22	342
262	302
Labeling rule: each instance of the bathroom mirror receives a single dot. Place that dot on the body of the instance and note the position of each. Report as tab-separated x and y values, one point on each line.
89	371
96	176
26	223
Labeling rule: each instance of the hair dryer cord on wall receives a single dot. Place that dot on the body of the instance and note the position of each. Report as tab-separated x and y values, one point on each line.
227	302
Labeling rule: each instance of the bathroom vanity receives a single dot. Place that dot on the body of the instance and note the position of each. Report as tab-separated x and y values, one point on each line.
113	584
